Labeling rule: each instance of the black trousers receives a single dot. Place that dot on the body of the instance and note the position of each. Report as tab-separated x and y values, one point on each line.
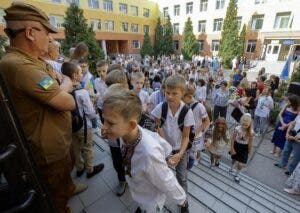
220	111
116	156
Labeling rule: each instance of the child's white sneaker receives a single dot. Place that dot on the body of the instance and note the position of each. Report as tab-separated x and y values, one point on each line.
237	179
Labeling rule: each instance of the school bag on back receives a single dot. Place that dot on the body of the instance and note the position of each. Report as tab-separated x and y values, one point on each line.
77	119
180	121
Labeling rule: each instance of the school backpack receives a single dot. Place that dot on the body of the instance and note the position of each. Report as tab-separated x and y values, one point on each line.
147	122
180	121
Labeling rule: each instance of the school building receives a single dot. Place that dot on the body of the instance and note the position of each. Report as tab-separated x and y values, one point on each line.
119	24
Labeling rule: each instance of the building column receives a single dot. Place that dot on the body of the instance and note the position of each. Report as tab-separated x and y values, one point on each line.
103	46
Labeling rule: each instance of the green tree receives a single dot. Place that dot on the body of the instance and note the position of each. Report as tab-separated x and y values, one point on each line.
3	43
168	38
241	44
230	35
147	47
190	44
77	30
158	39
296	75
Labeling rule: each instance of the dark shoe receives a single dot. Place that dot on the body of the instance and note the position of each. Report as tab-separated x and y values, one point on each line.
287	173
190	163
79	173
276	164
96	170
185	209
237	179
217	163
121	188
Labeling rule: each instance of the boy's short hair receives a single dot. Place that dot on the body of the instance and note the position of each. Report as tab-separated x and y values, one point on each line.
114	67
102	63
124	102
175	82
69	69
137	75
116	76
189	90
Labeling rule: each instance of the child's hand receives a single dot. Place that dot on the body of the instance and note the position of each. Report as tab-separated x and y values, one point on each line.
174	160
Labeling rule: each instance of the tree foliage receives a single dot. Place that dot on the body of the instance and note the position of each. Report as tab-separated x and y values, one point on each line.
230	35
77	30
3	43
241	44
168	38
296	75
190	44
147	47
158	39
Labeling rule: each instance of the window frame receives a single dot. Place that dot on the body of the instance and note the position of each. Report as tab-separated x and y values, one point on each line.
135	41
136	9
278	20
106	23
200	23
146	26
166	11
106	4
214	44
251	46
177	8
255	19
174	31
203	5
123	23
220	4
91	4
146	9
132	27
123	11
189	7
217	24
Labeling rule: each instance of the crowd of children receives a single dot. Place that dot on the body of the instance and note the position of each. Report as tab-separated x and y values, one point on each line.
177	97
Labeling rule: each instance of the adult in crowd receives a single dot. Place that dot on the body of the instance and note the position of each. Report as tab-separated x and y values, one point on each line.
220	101
42	105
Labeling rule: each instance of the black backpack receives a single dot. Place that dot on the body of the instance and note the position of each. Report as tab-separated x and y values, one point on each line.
78	121
147	122
180	121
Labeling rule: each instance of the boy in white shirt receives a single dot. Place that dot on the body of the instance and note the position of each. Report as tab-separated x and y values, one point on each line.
82	140
149	178
137	81
201	123
170	130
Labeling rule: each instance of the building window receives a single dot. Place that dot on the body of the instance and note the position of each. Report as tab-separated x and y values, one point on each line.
93	4
203	5
218	24
56	1
2	14
136	44
239	22
96	24
257	22
147	29
73	1
251	45
282	20
108	5
202	26
189	8
176	28
109	25
166	11
123	8
56	20
134	28
220	4
260	1
146	12
124	26
215	45
175	45
176	10
134	10
201	45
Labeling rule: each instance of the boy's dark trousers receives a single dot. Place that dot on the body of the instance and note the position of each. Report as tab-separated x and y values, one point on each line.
116	156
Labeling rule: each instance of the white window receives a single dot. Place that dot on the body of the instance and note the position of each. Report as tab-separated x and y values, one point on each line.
147	29
203	5
96	24
282	20
175	45
134	28
136	44
73	1
56	20
176	28
109	25
146	12
260	1
166	11
220	4
93	4
257	22
239	22
202	26
176	10
108	5
123	8
201	45
218	24
189	8
134	10
124	26
215	45
251	45
2	14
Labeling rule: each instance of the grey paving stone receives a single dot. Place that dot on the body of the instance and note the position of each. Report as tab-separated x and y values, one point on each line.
108	204
234	202
263	201
126	198
220	207
258	207
110	178
75	204
203	196
219	184
195	206
96	189
201	173
279	209
237	194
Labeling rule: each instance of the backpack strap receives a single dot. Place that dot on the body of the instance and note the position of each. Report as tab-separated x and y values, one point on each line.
164	113
181	116
194	105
